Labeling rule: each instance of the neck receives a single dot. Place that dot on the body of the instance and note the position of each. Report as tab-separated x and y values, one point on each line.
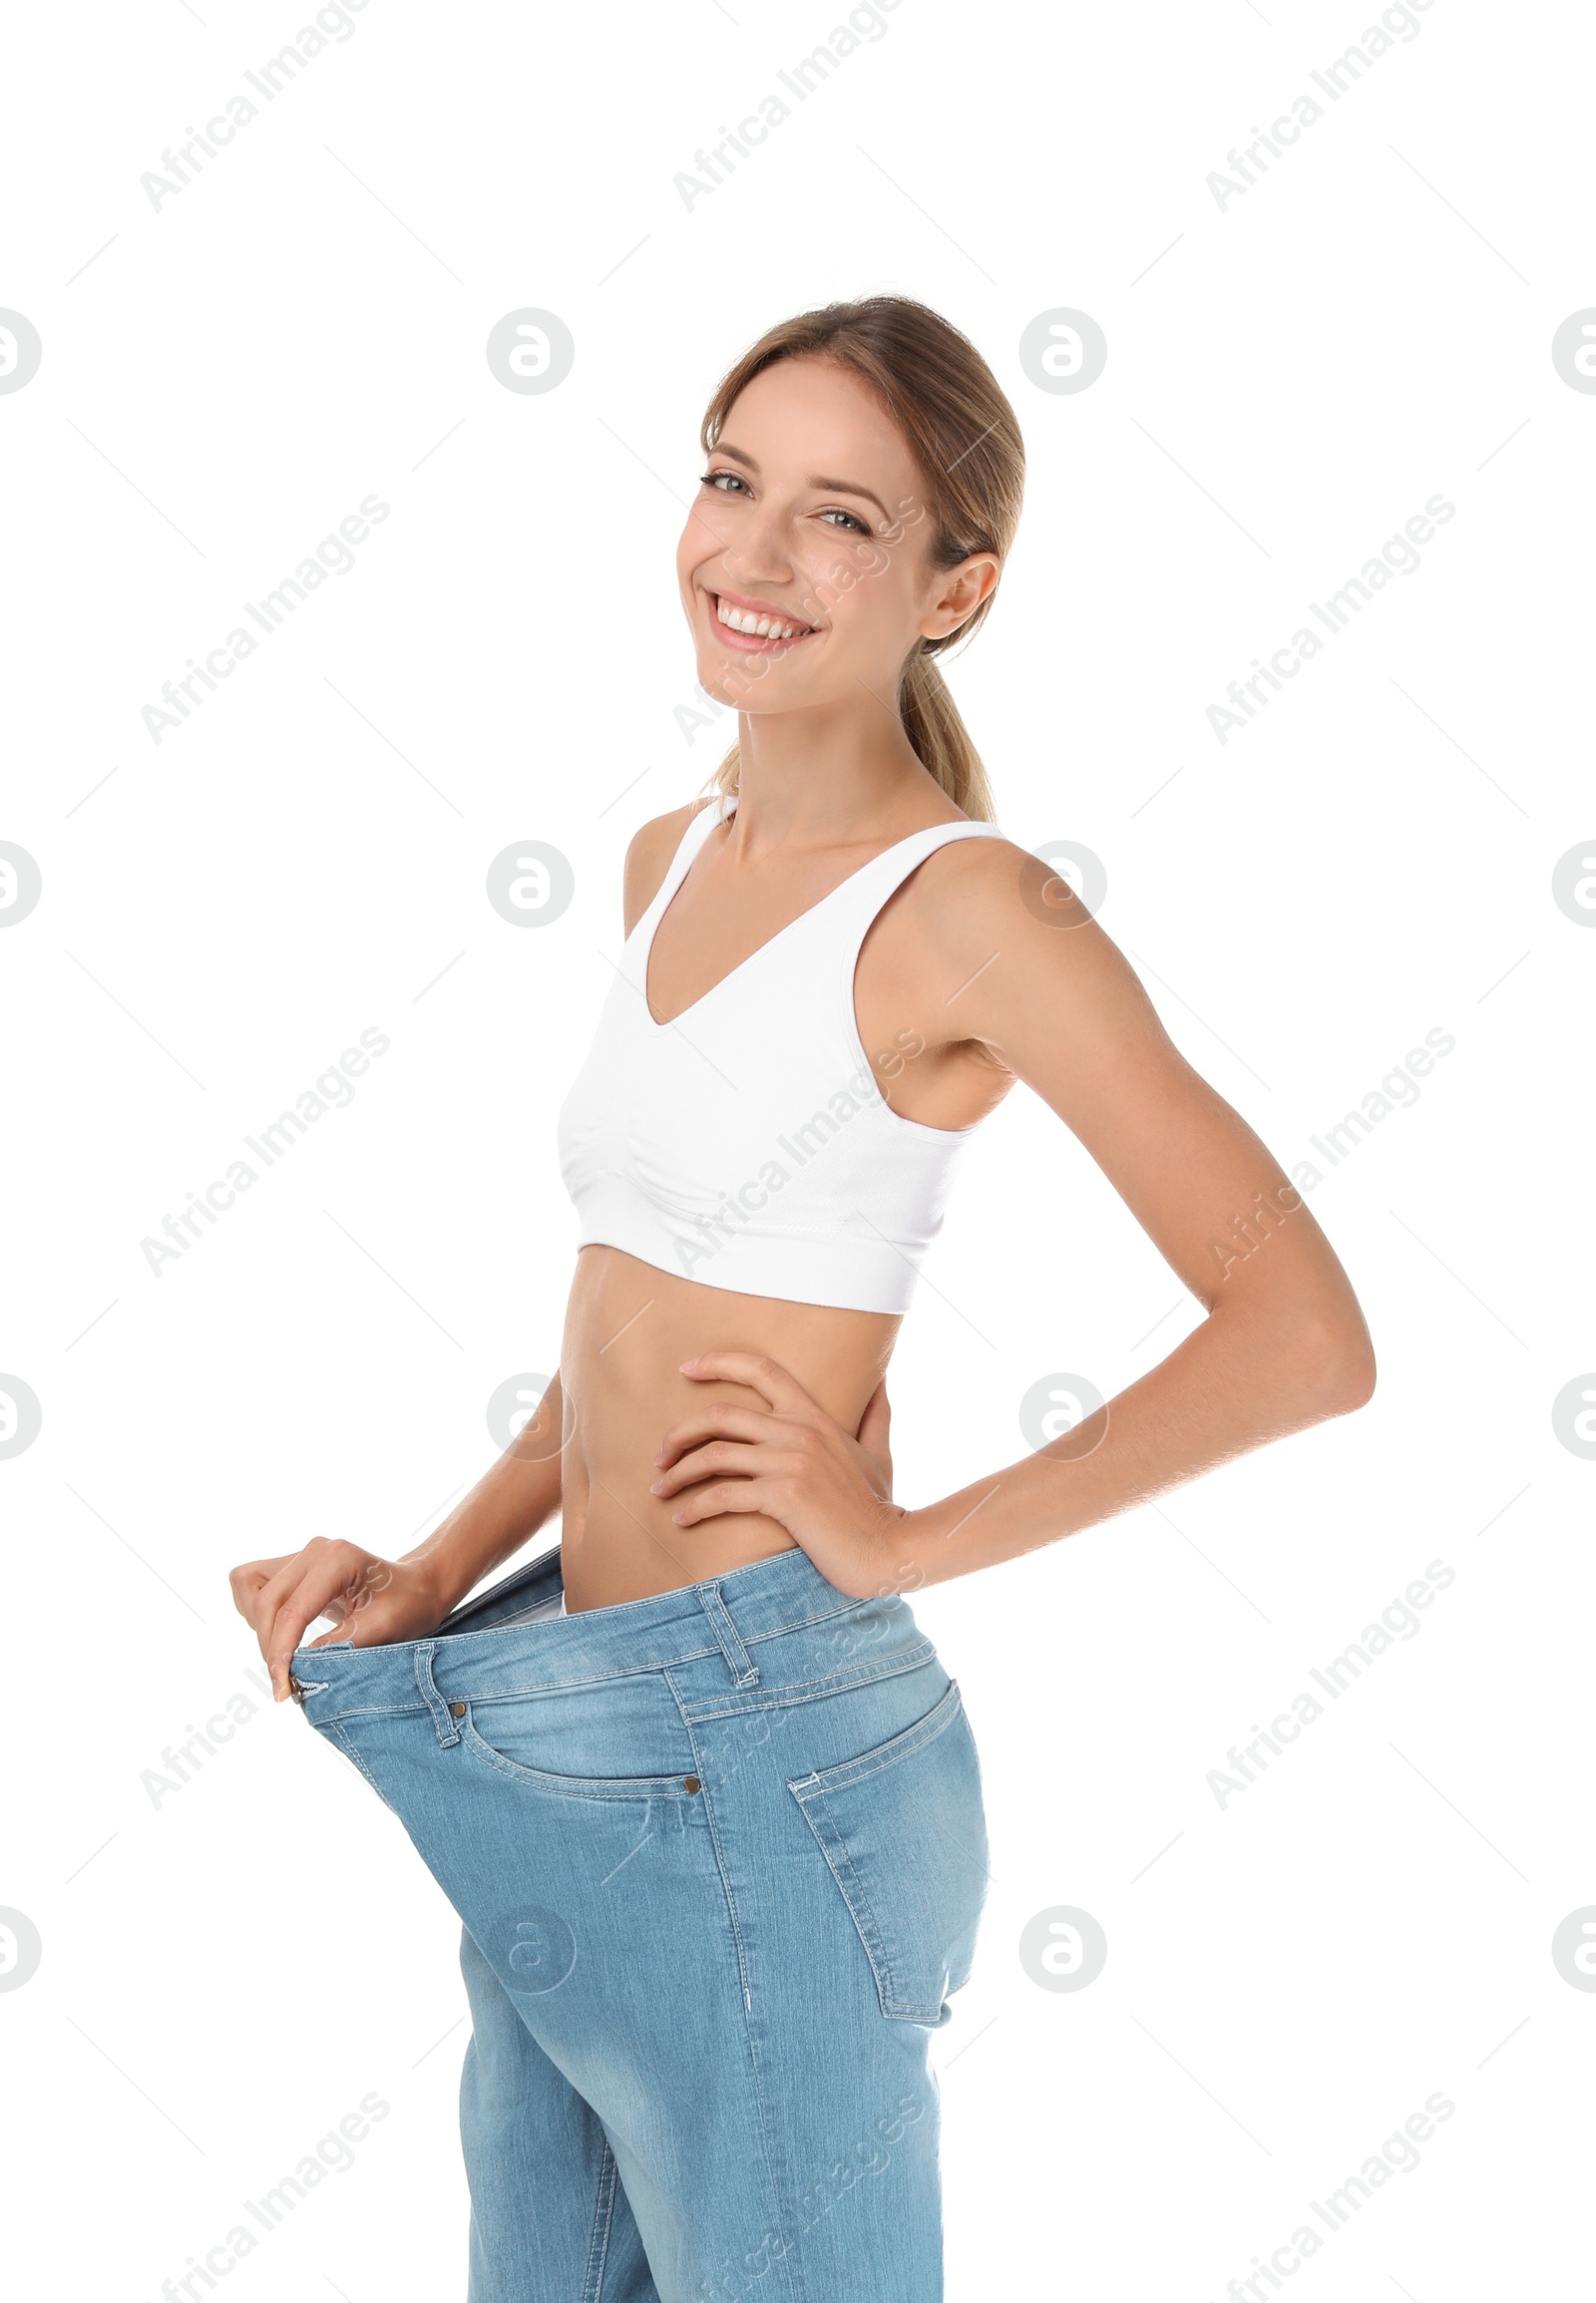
828	776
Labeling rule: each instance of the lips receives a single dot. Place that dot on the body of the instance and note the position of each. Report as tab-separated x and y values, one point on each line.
759	628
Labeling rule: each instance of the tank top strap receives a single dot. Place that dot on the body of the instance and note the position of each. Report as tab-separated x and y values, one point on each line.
692	838
875	881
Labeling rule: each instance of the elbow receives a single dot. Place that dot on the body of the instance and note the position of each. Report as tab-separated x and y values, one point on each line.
1334	1366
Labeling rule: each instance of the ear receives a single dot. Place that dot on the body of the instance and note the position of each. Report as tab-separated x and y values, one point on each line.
960	592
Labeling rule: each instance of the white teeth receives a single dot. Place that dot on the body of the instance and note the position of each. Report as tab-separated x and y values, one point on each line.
758	627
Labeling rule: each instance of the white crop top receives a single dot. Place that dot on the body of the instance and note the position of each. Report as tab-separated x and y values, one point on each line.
746	1143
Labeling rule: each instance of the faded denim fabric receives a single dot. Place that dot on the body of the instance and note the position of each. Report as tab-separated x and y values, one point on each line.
720	1857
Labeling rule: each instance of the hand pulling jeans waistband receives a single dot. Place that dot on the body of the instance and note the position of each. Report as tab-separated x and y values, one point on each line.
732	1613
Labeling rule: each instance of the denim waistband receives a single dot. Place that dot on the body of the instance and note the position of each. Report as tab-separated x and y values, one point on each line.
729	1615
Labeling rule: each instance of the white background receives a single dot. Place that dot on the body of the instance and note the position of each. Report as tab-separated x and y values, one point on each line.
226	1973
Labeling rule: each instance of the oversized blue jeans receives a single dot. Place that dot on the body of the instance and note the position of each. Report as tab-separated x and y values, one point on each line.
720	1857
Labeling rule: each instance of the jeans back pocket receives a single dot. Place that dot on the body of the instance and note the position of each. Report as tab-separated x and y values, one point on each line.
902	1831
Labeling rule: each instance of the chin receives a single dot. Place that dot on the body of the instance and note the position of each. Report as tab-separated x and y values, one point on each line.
732	685
714	678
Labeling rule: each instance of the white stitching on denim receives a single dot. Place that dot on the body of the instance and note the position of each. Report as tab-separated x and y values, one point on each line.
808	1691
859	1910
371	1712
350	1753
603	2217
744	1671
443	1719
941	1716
902	1746
642	1669
719	1707
567	1787
755	2077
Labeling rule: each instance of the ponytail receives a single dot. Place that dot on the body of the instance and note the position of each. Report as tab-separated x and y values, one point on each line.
941	739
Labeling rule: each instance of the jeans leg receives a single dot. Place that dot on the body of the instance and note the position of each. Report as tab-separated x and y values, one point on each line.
550	2221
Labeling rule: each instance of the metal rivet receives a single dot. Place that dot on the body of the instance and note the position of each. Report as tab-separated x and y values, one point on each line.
457	1711
295	1690
690	1784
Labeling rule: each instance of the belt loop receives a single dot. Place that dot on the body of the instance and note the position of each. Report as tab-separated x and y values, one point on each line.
743	1669
442	1713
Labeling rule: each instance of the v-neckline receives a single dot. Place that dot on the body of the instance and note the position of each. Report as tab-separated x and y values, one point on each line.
749	957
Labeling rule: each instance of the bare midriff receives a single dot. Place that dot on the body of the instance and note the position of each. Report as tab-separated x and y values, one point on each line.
629	1327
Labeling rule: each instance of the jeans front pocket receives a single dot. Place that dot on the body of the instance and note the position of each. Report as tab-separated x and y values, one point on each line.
476	1745
904	1832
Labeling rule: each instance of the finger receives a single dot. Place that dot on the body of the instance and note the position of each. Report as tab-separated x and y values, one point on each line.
277	1586
248	1582
327	1578
720	1419
335	1566
257	1570
737	1495
776	1383
358	1610
721	1455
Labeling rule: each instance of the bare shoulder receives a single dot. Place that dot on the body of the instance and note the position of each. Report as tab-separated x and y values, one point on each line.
991	925
649	857
981	886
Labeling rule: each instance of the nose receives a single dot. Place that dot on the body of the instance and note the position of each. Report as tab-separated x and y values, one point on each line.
761	551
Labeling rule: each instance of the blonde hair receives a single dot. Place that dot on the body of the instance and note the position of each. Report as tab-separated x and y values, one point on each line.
963	436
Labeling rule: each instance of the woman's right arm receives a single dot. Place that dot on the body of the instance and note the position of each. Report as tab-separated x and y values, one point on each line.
374	1601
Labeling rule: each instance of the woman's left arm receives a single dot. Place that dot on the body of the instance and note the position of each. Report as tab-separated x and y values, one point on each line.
1032	977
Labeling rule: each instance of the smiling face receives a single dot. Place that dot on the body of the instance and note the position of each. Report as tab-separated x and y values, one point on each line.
805	565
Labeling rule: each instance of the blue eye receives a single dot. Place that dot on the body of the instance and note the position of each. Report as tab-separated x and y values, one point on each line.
723	483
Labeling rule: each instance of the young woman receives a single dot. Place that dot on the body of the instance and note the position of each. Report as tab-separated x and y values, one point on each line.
712	1819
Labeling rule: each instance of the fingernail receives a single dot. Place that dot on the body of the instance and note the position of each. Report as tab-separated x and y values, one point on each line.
686	1363
655	1486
